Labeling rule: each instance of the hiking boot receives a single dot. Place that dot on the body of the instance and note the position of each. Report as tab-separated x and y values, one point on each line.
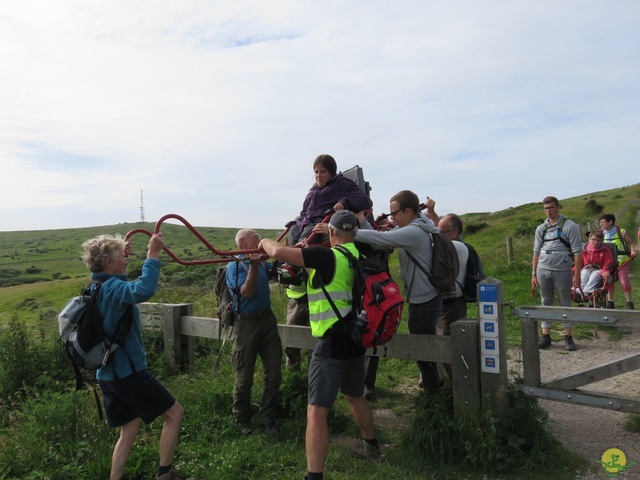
170	475
568	343
244	428
372	452
610	304
369	394
545	341
629	305
270	428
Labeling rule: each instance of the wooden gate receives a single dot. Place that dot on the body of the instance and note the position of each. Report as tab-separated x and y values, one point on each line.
568	388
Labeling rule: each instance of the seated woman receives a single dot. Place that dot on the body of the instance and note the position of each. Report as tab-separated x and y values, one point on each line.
598	264
331	191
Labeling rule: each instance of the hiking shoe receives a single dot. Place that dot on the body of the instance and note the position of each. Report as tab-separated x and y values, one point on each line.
610	304
568	343
244	428
270	428
372	452
545	341
170	475
629	305
369	394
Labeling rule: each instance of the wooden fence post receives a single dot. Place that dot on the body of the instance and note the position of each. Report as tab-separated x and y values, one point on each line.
178	349
509	250
465	366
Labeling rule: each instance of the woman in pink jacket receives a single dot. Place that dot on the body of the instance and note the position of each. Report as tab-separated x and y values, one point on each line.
598	264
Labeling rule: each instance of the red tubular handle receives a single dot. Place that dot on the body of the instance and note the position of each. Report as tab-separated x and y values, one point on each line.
228	255
324	220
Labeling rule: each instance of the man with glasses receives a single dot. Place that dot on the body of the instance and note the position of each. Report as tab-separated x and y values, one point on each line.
256	334
411	238
557	247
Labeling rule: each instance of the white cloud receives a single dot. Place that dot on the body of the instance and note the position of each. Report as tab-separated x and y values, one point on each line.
217	109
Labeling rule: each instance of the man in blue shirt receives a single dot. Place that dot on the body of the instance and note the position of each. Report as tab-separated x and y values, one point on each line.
256	333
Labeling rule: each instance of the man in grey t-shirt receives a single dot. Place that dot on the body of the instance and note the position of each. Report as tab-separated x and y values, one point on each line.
557	245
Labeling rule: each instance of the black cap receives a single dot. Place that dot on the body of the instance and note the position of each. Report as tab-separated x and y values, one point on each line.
344	220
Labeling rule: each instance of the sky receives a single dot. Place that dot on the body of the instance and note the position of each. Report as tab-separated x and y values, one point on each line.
215	110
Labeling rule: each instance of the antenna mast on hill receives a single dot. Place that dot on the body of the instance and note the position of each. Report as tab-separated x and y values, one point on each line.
142	219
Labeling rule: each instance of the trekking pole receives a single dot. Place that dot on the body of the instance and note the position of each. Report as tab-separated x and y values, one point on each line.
227	255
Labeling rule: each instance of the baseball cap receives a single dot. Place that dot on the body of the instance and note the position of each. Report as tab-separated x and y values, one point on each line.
344	220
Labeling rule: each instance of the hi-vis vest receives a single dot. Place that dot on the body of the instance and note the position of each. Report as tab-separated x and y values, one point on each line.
321	315
296	291
616	236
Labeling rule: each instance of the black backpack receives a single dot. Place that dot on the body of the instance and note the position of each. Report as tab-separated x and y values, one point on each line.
82	333
475	274
224	297
83	337
444	264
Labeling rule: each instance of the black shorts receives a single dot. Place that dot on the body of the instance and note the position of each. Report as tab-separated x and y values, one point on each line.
327	376
138	395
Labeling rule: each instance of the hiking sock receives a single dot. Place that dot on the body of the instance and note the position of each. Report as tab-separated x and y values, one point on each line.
371	441
162	470
315	475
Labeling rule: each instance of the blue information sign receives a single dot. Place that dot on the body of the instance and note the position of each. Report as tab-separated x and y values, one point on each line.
488	293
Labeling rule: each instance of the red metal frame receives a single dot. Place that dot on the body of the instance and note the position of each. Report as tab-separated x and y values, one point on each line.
227	255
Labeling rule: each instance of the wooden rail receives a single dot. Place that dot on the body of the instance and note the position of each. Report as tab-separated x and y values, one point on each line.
461	349
566	388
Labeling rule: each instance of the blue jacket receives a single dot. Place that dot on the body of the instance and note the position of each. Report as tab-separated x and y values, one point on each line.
116	293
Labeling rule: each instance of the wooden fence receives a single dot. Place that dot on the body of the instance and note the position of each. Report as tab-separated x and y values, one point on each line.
462	349
567	388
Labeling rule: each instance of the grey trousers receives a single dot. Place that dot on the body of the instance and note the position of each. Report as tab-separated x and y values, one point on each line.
256	336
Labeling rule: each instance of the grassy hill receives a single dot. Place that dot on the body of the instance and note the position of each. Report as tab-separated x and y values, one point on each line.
41	269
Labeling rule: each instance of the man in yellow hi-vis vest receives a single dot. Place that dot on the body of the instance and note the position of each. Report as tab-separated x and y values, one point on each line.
337	363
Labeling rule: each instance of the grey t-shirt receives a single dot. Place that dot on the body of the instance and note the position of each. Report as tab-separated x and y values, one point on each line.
549	246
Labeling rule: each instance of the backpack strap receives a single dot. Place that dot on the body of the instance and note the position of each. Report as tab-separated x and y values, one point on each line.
558	235
424	270
346	253
625	246
352	258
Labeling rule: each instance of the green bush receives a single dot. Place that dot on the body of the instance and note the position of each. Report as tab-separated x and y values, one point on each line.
57	432
17	358
517	442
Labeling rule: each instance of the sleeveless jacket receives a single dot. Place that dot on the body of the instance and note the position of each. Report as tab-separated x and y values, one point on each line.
340	289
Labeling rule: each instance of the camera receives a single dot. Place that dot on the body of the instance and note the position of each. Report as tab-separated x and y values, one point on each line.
290	275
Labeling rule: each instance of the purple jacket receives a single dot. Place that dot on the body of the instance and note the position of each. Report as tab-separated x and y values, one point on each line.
337	189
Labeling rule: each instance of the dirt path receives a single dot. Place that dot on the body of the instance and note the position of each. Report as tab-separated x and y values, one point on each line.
589	431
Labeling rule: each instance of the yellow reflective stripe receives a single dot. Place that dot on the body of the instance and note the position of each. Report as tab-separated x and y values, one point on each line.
328	314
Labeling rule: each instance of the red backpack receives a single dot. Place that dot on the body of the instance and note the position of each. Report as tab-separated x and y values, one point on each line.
377	302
